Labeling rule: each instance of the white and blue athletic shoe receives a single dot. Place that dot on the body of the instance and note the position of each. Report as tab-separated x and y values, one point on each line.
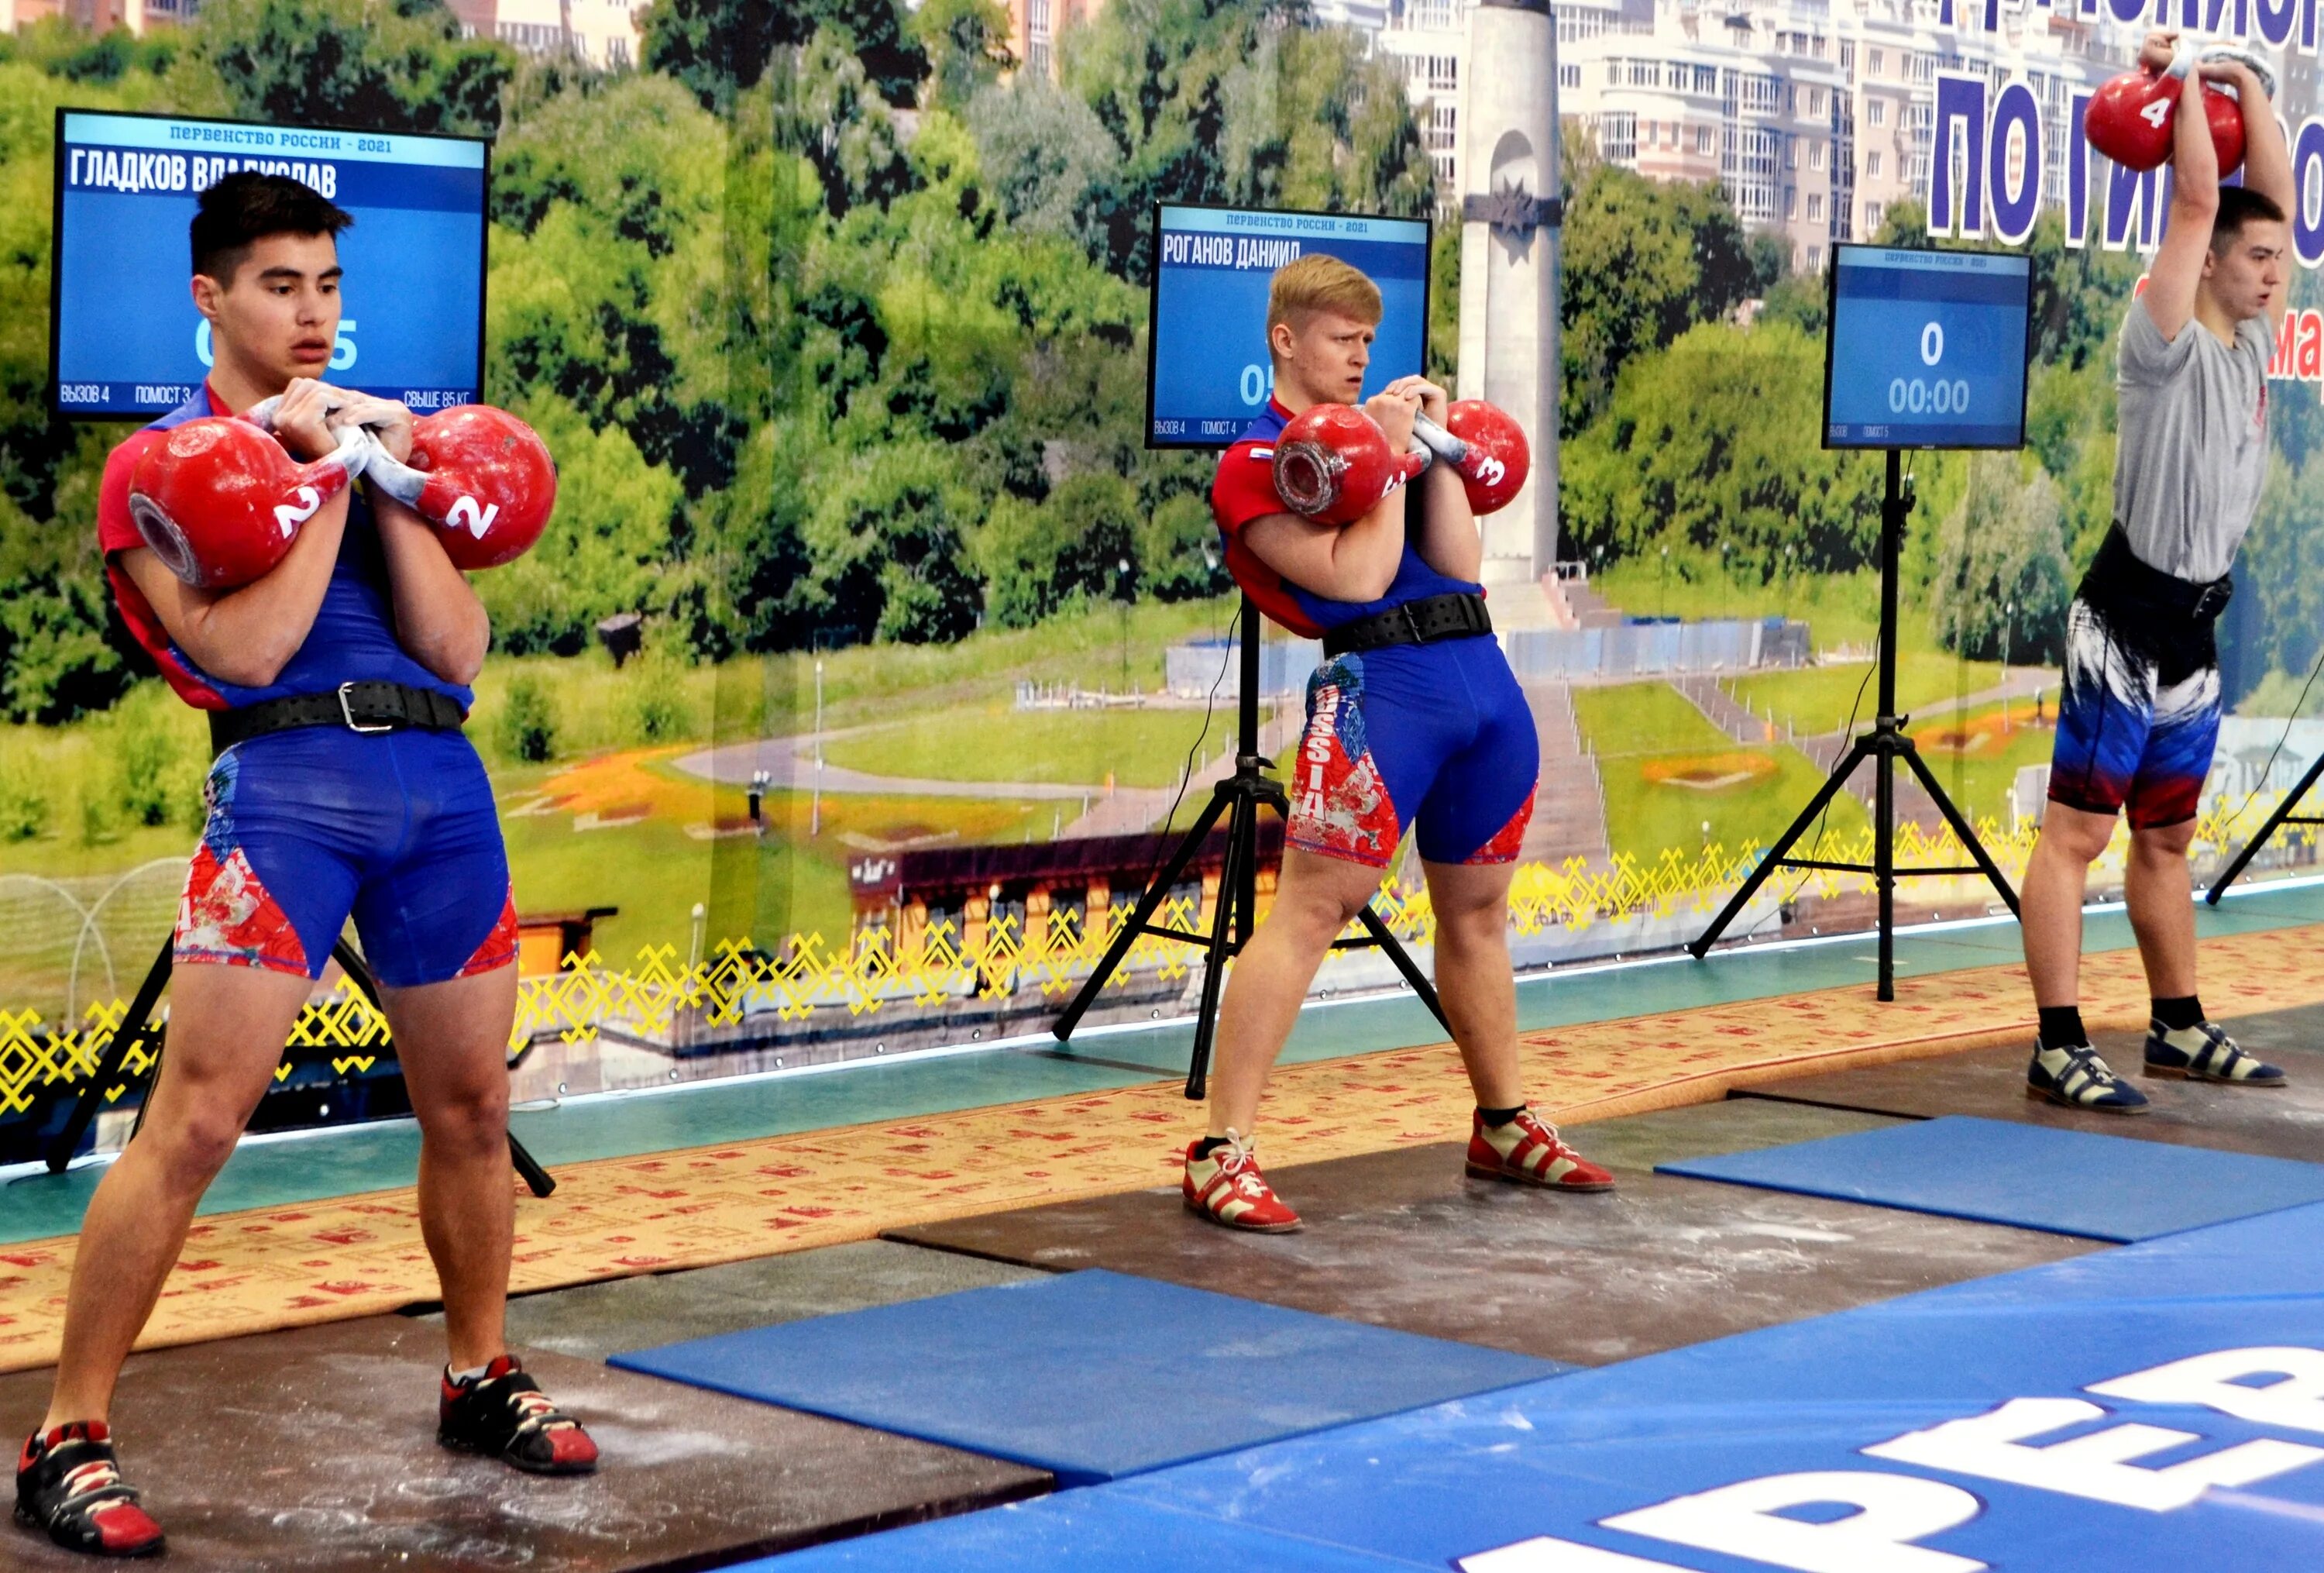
2203	1052
2077	1078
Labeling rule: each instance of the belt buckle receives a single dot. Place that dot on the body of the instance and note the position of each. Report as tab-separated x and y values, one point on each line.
347	713
1412	621
2211	602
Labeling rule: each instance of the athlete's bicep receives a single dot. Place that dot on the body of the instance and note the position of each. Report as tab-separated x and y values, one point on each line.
1302	551
178	604
2172	282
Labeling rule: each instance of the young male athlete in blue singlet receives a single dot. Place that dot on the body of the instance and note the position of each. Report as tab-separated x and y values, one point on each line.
336	685
1414	722
2139	719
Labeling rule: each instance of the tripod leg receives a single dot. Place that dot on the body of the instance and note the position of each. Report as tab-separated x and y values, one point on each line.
1765	871
1884	867
1086	995
1963	831
1393	949
1242	834
2284	811
135	1025
536	1179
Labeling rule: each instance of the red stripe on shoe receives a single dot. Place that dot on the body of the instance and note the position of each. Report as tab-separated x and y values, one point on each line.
124	1527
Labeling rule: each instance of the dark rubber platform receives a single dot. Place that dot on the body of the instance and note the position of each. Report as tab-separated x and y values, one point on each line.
1403	1240
315	1450
2285	1122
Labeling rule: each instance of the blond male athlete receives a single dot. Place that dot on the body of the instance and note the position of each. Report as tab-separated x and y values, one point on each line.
1414	722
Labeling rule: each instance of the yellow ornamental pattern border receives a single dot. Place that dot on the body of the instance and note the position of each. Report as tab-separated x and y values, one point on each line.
658	991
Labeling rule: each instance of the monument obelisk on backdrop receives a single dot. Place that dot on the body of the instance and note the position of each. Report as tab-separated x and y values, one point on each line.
1511	208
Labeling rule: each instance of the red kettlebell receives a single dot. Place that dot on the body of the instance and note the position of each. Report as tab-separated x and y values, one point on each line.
2130	118
1486	446
1333	464
220	502
481	476
2227	119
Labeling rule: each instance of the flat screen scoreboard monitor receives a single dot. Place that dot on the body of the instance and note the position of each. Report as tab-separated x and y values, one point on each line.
1208	374
125	338
1926	349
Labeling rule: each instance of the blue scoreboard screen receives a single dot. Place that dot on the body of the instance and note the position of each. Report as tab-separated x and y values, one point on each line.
1209	375
1927	348
125	338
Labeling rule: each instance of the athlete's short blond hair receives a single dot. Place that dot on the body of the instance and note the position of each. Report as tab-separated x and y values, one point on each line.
1319	282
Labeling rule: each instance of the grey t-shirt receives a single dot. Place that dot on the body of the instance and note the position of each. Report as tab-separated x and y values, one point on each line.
2193	450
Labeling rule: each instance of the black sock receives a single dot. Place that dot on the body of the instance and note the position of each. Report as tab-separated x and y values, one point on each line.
1497	1117
2177	1015
1208	1145
2061	1027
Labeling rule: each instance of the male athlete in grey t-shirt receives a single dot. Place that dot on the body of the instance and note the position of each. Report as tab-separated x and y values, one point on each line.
2140	715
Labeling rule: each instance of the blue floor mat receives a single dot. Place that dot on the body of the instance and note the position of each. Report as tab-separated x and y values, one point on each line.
2030	1177
1090	1376
1747	1453
1081	1531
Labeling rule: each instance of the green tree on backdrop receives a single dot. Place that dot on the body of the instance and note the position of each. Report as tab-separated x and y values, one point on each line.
1674	462
1643	262
839	330
2002	577
792	346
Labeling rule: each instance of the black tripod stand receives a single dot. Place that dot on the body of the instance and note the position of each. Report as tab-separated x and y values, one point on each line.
1233	914
2284	815
140	1027
1884	746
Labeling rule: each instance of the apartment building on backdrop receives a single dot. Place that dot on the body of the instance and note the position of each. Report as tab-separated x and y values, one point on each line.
99	15
1816	116
601	33
598	32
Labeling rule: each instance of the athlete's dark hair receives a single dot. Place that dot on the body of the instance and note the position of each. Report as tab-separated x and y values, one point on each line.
245	208
2239	205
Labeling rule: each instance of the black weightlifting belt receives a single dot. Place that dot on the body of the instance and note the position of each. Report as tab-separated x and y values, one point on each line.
359	707
2119	582
1425	621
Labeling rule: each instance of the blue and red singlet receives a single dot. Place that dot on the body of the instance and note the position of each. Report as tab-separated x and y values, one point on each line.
307	827
1437	737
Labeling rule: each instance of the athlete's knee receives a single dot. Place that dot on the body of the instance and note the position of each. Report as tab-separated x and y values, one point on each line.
468	1119
1476	931
2080	837
2163	843
1322	900
1320	913
192	1141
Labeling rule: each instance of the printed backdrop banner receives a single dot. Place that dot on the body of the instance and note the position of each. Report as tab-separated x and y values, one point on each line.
873	659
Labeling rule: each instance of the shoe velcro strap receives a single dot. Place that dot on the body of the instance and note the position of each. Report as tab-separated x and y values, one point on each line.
2095	1075
2220	1054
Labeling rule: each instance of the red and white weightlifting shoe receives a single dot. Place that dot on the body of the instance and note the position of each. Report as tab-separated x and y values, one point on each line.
503	1414
1528	1150
1227	1188
70	1485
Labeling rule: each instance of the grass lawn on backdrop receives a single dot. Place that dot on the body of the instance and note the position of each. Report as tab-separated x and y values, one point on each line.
652	697
1645	733
77	814
637	854
1975	761
1817	700
75	800
1839	609
994	743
